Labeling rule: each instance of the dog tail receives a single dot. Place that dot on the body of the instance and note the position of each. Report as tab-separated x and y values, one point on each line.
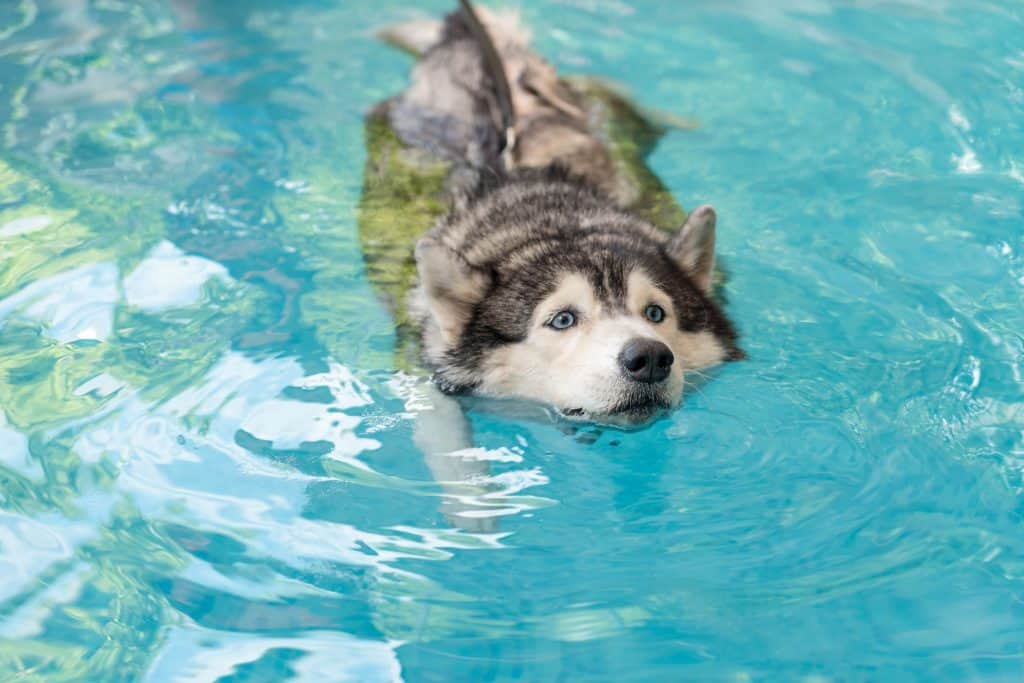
414	37
417	36
460	101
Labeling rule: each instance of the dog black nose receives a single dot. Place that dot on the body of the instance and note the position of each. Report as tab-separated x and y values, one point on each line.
646	360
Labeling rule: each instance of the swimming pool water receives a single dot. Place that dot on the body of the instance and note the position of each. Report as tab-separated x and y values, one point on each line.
207	466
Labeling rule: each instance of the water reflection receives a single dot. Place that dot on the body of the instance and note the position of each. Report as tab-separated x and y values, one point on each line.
209	467
224	473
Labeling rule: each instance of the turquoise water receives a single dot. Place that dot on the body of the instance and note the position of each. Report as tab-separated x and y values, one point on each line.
207	467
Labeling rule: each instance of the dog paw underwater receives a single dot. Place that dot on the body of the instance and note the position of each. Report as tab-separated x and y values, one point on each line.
550	263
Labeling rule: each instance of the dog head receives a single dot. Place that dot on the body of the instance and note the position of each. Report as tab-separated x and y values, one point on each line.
601	320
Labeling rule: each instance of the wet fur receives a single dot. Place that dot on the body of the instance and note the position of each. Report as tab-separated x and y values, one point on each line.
555	225
518	237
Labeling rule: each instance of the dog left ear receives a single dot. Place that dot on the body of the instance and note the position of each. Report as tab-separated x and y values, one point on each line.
693	249
451	285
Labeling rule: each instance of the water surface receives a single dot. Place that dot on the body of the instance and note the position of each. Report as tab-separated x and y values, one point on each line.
207	466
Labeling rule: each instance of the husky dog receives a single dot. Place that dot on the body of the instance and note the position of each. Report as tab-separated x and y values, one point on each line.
554	276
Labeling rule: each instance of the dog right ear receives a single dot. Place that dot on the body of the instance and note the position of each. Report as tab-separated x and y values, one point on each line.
694	247
452	287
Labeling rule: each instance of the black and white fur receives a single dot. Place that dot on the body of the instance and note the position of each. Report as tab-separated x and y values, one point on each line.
549	236
494	273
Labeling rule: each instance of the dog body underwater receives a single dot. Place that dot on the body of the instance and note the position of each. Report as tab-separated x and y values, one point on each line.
550	264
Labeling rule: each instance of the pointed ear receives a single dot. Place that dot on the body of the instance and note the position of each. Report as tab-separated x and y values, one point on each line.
694	247
451	287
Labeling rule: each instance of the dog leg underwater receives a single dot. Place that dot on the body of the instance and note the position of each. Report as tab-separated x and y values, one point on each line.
444	436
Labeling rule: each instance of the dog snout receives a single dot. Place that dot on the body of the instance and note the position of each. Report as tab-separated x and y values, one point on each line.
646	360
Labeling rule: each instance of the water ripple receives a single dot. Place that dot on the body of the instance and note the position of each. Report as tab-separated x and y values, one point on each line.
209	462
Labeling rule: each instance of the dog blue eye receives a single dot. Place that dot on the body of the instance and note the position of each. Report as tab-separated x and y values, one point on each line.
655	313
563	320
